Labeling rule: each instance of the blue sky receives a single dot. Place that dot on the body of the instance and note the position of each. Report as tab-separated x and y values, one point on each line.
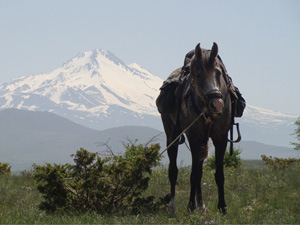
259	41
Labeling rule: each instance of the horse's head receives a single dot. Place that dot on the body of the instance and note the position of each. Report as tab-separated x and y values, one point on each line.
207	78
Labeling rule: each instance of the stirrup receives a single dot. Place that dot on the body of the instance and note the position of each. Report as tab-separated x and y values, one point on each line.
239	133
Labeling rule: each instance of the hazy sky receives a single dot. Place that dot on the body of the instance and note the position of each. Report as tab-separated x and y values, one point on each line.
259	40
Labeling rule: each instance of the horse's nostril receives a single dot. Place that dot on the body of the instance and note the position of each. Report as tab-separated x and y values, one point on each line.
212	104
217	105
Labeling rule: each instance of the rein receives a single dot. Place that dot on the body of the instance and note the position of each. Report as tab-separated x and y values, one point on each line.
207	121
176	139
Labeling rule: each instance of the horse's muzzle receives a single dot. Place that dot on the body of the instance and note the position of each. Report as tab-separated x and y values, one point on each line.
216	106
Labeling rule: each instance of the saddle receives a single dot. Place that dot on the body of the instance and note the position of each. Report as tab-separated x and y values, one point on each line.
173	87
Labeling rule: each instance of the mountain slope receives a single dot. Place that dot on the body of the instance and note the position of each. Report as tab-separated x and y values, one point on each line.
254	150
14	120
267	126
28	137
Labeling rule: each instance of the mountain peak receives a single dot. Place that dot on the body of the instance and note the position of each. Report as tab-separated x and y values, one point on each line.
93	84
94	57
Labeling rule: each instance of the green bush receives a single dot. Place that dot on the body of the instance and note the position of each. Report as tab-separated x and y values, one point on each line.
297	133
280	162
114	183
229	161
4	169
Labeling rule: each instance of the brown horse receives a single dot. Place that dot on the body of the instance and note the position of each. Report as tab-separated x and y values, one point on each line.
204	92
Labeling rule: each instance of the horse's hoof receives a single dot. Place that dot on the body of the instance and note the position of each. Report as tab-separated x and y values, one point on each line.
191	208
223	210
172	213
172	209
202	209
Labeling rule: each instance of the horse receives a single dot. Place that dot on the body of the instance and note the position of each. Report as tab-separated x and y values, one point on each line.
203	110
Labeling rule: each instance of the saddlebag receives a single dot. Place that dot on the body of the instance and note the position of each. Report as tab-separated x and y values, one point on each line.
239	104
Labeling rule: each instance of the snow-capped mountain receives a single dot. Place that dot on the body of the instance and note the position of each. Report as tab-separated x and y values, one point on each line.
94	86
267	126
98	90
263	117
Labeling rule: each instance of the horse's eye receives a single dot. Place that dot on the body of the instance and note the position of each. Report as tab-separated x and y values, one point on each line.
218	72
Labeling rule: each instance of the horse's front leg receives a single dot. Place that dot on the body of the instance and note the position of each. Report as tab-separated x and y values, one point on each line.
200	203
199	153
220	148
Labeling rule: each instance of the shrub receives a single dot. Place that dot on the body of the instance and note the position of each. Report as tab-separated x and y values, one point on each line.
4	169
113	183
229	161
280	162
297	133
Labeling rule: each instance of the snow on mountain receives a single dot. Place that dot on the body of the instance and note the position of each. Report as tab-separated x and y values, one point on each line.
92	85
98	90
267	126
263	117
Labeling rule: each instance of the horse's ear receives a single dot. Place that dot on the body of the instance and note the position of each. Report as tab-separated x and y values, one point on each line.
213	53
198	53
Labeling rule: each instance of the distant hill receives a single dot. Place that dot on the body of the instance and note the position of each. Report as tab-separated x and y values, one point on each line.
253	150
28	137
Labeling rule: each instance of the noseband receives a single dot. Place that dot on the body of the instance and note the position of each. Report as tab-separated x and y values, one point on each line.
213	94
204	99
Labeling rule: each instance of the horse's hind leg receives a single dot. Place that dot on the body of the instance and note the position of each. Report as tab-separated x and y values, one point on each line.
172	132
173	174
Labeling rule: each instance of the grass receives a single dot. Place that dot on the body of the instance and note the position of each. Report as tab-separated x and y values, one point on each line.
254	195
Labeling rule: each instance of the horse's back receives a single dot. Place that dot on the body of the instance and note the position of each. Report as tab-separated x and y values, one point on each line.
166	101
